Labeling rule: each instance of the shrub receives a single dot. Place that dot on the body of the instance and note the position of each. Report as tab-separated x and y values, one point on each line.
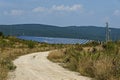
5	43
11	66
1	34
8	63
71	58
85	66
30	44
109	46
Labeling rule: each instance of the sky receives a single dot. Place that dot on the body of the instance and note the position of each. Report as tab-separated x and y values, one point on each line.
61	12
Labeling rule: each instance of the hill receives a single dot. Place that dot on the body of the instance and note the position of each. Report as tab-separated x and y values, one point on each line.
82	32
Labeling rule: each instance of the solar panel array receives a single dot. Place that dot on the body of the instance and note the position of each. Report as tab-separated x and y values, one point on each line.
51	40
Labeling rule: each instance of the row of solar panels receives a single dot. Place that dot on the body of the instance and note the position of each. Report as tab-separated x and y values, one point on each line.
55	40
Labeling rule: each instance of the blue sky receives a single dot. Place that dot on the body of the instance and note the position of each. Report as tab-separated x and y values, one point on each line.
61	12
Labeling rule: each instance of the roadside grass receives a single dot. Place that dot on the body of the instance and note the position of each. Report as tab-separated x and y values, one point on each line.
100	62
56	55
11	48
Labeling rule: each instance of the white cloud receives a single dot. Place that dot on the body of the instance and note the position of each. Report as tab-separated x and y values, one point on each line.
75	7
39	9
14	12
116	13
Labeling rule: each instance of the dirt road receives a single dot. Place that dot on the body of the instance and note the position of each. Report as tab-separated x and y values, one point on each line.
36	66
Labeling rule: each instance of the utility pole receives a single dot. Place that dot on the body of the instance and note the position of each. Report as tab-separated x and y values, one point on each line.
107	32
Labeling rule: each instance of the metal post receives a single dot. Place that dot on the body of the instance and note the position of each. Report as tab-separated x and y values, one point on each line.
107	32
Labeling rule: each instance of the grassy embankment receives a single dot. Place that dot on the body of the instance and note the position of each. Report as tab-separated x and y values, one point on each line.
11	48
101	62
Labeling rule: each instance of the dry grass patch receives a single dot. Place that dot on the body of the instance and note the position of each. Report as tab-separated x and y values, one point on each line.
56	55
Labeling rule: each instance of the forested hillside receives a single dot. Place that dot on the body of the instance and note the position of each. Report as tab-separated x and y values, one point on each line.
82	32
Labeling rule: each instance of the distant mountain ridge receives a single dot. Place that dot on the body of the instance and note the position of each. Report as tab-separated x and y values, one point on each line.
80	32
